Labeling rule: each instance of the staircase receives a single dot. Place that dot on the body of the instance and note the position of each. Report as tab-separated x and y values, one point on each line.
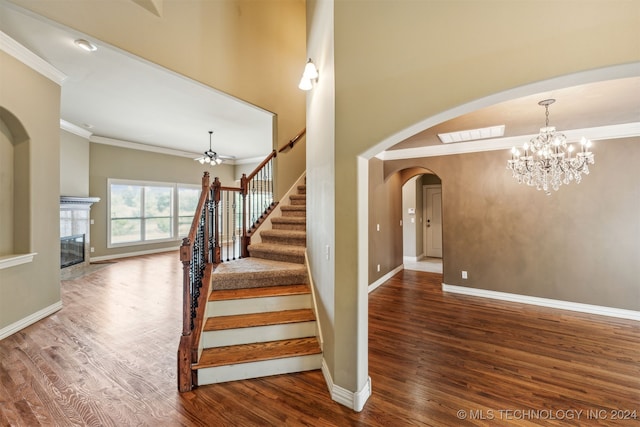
259	315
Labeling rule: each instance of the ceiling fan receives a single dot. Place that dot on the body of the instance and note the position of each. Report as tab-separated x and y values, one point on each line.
211	157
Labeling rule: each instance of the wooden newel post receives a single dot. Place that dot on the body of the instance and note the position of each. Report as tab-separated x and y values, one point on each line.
205	181
184	348
245	241
216	220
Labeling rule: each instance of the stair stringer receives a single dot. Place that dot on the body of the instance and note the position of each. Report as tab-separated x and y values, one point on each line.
314	302
277	211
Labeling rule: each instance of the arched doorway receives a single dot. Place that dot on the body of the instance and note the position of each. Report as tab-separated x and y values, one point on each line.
422	223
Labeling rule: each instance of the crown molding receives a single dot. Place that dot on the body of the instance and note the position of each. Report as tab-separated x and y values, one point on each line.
30	59
76	130
597	133
142	147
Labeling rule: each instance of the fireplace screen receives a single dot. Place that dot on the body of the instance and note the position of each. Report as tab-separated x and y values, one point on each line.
71	250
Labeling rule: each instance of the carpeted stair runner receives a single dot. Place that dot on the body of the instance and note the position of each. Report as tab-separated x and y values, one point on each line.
278	259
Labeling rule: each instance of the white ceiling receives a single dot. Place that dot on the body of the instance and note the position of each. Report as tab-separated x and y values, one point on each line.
582	107
117	97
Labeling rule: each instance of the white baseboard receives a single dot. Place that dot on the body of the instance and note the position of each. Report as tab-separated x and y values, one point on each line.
343	396
29	320
384	278
545	302
413	258
132	254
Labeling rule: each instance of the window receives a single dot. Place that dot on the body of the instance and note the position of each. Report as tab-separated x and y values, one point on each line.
149	212
187	204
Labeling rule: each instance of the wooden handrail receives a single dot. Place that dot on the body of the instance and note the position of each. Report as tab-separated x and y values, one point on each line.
289	145
259	167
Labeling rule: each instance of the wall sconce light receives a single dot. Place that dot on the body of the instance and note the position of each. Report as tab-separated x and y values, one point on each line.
310	73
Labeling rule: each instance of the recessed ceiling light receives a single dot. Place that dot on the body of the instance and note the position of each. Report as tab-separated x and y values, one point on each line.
86	45
471	135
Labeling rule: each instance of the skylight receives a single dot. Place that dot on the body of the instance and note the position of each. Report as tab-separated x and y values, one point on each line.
471	135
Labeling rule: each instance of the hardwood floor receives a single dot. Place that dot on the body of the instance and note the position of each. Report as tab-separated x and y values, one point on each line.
108	358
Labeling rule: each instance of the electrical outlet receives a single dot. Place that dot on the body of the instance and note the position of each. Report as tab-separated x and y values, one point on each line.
328	252
93	249
465	275
377	227
378	267
91	222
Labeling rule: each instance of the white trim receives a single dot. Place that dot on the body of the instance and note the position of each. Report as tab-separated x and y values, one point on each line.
544	302
29	320
164	150
142	147
30	59
133	254
413	258
597	133
249	160
7	261
380	281
76	130
346	397
575	79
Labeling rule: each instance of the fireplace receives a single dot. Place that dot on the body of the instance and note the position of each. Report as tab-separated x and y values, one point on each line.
75	238
71	250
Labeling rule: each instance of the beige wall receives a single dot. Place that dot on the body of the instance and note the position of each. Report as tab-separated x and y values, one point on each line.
250	49
74	165
34	101
579	244
6	189
409	61
121	163
320	175
385	210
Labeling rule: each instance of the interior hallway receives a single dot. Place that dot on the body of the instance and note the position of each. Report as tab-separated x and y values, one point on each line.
108	358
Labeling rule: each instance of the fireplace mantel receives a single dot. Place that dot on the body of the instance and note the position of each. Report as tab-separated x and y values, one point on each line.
71	202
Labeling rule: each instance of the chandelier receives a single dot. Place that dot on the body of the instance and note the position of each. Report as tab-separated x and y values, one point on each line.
210	156
547	160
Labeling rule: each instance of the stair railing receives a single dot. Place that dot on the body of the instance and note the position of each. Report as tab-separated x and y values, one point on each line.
221	230
195	254
257	190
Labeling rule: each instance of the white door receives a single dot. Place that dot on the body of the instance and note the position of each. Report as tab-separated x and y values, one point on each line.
432	196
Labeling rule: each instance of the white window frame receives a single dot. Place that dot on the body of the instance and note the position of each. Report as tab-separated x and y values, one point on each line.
174	210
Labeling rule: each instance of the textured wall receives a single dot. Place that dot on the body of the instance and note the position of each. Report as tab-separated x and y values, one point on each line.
579	244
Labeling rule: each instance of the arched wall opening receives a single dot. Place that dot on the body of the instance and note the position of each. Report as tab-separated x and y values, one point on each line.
422	226
14	186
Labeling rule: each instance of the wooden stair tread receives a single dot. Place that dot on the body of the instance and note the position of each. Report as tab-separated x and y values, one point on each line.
259	319
256	352
268	291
